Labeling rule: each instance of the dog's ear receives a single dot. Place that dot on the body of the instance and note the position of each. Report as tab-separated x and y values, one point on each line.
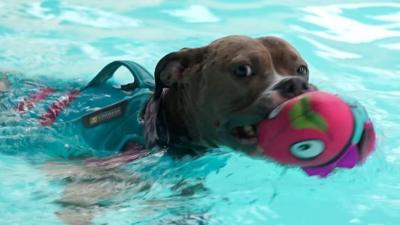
169	71
171	68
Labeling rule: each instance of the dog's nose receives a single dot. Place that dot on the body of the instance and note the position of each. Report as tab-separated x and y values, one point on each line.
291	87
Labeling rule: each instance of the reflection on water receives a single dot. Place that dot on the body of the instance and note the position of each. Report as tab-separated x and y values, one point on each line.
351	48
339	27
64	13
194	14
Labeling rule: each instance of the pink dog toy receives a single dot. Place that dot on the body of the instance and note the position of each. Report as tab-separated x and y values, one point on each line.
318	131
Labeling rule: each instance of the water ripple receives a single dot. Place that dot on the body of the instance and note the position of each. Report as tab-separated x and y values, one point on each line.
329	52
194	14
81	15
339	27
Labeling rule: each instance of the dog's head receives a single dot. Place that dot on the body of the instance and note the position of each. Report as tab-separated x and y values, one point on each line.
217	94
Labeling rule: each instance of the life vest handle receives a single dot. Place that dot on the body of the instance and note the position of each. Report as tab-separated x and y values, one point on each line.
142	78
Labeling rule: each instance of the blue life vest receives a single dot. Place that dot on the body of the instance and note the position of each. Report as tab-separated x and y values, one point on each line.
110	121
103	116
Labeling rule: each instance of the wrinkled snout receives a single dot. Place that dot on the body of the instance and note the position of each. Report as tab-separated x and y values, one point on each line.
291	87
280	92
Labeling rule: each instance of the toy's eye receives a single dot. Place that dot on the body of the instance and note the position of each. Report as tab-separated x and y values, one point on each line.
307	149
243	71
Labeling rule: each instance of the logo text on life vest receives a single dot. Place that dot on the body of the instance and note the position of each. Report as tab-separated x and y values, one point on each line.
104	115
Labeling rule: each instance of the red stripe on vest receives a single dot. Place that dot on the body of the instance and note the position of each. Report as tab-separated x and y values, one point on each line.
57	107
30	102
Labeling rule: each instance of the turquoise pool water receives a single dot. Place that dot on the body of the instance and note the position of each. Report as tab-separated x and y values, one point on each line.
352	49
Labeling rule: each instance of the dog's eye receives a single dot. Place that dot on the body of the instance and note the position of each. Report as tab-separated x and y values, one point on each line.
243	71
302	70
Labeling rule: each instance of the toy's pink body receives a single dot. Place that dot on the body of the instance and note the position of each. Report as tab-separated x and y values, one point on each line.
316	130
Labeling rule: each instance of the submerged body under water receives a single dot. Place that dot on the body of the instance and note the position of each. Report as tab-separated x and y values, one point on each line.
351	49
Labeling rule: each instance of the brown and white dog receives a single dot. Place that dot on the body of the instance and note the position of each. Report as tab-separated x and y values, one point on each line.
217	94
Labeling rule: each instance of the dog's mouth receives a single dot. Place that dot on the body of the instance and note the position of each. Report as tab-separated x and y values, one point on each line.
246	135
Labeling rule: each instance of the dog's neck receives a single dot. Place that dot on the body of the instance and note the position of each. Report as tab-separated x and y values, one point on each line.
174	111
172	120
175	125
181	118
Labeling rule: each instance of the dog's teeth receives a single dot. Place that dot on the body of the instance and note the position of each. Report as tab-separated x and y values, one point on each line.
249	130
248	141
246	135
